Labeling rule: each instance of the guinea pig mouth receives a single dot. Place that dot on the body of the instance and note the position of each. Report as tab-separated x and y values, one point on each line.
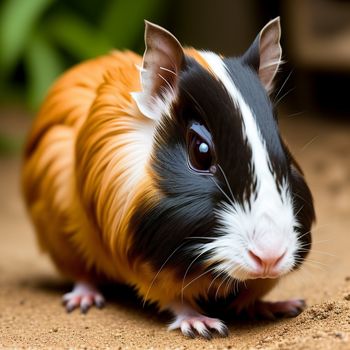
250	274
271	275
266	266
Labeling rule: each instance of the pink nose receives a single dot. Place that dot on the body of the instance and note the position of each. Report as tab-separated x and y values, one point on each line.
266	263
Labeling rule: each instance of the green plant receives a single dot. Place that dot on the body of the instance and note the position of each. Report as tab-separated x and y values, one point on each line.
40	38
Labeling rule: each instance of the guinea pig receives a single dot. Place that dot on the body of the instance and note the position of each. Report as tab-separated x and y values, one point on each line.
168	173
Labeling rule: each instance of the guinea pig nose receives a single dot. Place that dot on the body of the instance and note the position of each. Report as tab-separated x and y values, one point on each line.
266	262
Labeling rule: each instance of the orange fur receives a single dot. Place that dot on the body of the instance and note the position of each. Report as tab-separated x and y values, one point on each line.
86	169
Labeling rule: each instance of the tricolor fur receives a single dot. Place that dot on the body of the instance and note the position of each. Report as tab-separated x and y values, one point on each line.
108	184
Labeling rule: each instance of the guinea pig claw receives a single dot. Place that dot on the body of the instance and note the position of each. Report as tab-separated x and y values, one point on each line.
205	327
99	301
85	303
83	296
187	330
202	329
71	305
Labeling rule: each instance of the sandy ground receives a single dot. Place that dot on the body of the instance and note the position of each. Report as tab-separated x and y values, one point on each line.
30	289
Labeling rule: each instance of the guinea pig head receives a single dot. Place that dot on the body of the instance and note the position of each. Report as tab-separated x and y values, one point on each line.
233	200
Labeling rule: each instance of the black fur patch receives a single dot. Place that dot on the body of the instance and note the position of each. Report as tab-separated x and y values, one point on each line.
304	211
187	209
254	94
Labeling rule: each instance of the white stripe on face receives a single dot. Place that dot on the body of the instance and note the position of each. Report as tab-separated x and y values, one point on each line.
267	226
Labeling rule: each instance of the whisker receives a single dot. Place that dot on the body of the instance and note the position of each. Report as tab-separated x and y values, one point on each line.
311	265
211	283
171	88
316	262
232	280
222	191
304	234
317	252
161	268
308	259
301	208
197	277
228	285
281	88
283	96
168	70
314	230
295	114
217	290
199	237
302	198
321	226
235	287
188	269
227	183
323	241
309	143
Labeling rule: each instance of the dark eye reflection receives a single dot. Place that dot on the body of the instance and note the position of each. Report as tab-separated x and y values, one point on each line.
200	149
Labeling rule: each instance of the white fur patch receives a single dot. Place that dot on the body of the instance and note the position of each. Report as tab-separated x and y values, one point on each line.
151	106
268	225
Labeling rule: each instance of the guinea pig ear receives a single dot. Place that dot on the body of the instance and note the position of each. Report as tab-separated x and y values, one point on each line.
162	62
264	55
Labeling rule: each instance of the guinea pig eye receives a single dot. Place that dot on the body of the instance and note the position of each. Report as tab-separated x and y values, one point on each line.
200	149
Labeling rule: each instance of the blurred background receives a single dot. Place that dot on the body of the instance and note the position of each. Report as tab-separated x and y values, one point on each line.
39	39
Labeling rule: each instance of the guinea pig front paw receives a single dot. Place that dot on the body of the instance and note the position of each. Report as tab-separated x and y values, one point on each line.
279	309
193	324
83	295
